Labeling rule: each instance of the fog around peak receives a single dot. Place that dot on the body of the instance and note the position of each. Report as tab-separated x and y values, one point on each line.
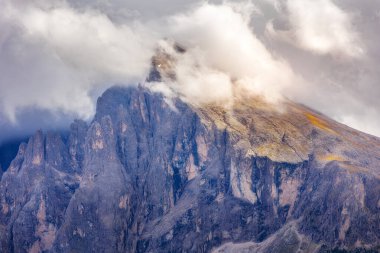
56	57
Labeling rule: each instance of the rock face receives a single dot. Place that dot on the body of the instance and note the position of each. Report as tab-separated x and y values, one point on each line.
8	151
152	174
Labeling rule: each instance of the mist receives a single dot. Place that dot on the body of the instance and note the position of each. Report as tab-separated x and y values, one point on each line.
56	57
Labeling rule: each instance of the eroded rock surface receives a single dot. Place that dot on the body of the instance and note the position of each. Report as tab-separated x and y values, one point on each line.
153	174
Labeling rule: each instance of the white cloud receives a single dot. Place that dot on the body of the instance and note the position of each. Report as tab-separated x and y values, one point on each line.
321	27
53	57
54	54
224	56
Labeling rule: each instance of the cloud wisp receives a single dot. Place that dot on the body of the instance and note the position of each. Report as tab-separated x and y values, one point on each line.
319	26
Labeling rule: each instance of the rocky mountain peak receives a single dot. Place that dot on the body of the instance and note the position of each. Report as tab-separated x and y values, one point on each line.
153	174
164	62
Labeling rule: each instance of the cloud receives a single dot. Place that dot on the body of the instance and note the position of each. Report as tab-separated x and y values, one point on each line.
57	56
319	26
52	58
341	82
223	55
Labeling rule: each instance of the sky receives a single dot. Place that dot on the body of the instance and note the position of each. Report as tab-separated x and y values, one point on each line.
56	57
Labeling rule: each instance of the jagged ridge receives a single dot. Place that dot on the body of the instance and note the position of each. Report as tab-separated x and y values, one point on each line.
145	176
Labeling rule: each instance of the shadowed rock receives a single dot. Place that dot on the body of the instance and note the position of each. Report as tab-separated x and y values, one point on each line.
153	174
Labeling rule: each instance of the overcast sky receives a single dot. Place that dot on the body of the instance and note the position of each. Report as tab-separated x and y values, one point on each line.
56	57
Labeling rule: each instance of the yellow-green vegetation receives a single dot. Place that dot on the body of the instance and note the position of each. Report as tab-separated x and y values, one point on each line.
267	131
344	163
333	157
318	122
277	152
285	136
224	118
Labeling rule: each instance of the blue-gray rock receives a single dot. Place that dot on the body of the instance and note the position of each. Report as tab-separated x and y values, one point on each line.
156	174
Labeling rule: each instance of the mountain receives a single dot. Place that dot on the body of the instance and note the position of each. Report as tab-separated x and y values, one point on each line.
8	151
156	174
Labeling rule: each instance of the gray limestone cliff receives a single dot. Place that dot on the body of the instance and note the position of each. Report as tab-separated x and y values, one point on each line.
153	174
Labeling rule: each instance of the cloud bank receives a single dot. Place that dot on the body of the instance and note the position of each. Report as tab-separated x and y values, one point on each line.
52	58
57	56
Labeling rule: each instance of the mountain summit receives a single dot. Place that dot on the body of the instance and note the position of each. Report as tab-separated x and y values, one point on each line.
156	174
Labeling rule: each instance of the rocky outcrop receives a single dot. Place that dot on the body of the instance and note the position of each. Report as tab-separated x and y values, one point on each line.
286	239
8	151
155	174
35	191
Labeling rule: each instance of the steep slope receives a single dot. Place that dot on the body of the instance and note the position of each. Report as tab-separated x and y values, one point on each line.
8	151
153	174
